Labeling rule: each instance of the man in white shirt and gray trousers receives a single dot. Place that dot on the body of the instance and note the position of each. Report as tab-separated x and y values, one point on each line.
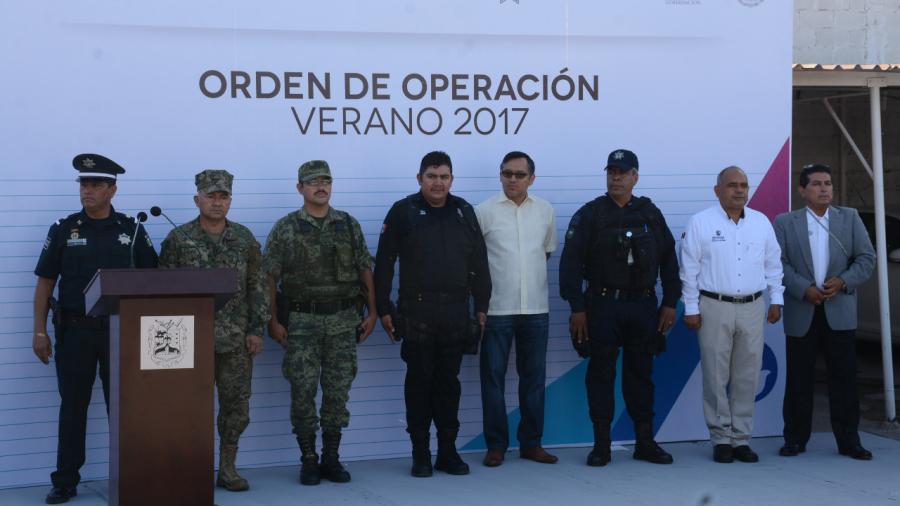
520	233
729	257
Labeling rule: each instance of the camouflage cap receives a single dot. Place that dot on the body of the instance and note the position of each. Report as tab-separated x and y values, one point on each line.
210	181
313	169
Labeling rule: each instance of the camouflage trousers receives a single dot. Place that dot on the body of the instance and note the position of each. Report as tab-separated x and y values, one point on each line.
321	349
233	372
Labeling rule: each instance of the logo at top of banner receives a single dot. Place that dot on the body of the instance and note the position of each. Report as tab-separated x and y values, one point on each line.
751	3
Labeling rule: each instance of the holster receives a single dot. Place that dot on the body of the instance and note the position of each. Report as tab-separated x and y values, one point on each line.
282	309
57	318
472	337
399	322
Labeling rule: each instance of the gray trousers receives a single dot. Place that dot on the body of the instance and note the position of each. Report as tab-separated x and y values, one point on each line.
731	349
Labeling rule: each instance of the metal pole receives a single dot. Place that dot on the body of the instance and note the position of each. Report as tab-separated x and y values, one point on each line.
847	136
884	307
843	156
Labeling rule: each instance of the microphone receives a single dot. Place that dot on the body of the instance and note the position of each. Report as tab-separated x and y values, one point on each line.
156	211
140	218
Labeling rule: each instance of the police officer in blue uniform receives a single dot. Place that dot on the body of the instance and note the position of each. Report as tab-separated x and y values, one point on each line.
76	246
621	245
443	265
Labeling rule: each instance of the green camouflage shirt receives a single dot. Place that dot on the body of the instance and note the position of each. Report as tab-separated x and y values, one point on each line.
317	261
248	312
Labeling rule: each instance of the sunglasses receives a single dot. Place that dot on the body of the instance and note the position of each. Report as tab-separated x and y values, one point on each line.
508	174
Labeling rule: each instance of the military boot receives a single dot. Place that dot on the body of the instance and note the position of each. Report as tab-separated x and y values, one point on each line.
331	468
309	461
228	478
600	455
447	459
645	448
421	454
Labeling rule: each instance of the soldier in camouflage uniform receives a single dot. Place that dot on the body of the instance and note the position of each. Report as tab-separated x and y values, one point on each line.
318	257
213	241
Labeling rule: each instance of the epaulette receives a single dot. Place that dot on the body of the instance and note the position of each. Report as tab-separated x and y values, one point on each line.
67	218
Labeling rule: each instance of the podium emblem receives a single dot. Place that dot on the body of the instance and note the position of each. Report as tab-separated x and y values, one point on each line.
167	342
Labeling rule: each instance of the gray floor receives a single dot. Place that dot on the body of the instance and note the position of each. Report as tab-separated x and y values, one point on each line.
819	477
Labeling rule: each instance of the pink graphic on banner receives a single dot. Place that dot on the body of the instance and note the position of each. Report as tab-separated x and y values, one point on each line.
773	195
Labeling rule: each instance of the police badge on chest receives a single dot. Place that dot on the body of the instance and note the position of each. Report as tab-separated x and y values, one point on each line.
74	239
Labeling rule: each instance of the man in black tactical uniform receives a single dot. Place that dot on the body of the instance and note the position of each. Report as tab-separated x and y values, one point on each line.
620	244
76	246
443	261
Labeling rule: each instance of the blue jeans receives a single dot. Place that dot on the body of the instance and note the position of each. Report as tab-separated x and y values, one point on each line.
530	332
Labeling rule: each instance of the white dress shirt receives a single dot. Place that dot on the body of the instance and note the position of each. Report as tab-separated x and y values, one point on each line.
518	239
728	258
818	244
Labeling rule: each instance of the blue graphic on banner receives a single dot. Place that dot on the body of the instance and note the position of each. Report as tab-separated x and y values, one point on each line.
568	421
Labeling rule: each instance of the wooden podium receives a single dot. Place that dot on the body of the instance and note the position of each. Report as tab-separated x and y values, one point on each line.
161	381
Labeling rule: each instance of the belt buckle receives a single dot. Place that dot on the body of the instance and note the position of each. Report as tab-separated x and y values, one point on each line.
616	294
312	307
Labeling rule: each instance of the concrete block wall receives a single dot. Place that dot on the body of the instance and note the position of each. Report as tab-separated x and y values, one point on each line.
846	31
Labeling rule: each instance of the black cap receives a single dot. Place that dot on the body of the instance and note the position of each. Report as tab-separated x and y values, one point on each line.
623	159
91	166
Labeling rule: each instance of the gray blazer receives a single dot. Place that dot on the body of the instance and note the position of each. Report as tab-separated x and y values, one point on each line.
793	236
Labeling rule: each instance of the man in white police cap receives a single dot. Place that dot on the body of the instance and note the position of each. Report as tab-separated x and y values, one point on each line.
76	246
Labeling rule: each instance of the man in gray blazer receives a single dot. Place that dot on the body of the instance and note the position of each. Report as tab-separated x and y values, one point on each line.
826	254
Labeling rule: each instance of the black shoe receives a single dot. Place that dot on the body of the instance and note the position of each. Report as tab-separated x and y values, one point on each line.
421	454
791	449
448	460
333	471
651	452
745	454
723	454
854	452
309	472
599	456
451	463
421	468
59	495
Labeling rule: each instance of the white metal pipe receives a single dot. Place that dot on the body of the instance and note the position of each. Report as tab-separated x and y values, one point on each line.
884	307
847	136
843	157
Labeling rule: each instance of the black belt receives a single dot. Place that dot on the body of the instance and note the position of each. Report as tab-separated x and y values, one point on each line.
620	294
321	307
740	299
85	322
440	297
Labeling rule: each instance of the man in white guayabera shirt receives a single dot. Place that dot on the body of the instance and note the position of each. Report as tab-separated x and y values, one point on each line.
729	257
520	232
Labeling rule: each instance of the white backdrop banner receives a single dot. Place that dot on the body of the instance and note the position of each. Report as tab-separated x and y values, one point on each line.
170	88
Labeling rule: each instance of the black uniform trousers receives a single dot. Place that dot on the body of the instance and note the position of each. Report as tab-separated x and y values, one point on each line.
629	324
78	354
840	362
433	359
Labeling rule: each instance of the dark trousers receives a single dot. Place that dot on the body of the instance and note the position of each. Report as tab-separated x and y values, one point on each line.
840	362
77	358
630	325
433	357
530	334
